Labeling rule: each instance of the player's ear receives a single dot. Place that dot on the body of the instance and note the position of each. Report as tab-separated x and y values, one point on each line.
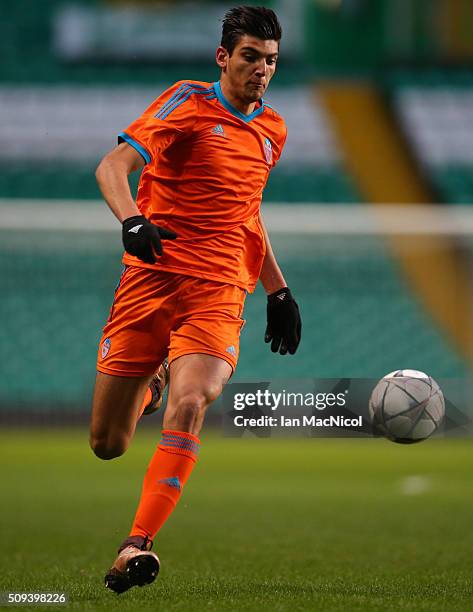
221	57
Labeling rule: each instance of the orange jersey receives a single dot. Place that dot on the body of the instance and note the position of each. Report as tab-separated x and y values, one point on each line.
206	167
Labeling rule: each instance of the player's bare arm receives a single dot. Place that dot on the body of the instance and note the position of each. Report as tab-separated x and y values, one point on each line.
112	178
271	276
140	237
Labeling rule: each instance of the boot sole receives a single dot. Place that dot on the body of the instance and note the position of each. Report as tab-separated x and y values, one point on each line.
142	570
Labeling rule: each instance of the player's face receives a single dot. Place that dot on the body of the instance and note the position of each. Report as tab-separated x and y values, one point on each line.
249	69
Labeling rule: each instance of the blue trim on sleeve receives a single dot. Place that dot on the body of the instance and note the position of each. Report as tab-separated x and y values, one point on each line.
183	98
136	145
180	91
224	102
182	94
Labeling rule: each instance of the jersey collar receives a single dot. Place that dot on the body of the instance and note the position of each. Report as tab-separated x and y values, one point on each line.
224	102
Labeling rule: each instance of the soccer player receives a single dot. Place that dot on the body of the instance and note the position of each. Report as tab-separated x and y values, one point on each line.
195	244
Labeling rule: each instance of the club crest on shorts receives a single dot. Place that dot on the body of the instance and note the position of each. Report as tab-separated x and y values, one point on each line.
268	150
106	344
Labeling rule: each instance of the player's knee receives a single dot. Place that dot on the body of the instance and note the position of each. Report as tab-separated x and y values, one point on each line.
212	392
108	448
192	406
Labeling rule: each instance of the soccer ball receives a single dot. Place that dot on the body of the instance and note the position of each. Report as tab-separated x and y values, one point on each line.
406	406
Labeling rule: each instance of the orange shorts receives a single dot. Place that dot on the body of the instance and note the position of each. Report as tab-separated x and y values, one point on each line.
159	314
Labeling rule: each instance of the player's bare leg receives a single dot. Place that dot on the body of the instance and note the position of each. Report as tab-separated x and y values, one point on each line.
117	405
116	408
195	382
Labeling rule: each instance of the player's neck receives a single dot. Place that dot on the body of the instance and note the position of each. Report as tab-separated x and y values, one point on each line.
243	107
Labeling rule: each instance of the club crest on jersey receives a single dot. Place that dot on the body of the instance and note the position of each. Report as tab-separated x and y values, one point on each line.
268	150
106	344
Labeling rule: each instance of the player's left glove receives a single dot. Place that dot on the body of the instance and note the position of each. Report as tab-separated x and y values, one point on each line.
284	322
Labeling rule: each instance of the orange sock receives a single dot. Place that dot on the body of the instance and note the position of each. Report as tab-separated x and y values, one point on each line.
167	473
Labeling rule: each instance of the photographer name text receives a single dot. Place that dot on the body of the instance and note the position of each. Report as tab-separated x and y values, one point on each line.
304	421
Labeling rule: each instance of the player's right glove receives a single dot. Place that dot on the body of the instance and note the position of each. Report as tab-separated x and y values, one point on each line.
143	239
284	322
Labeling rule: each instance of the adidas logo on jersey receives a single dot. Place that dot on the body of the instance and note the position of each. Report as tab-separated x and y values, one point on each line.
218	129
136	229
231	349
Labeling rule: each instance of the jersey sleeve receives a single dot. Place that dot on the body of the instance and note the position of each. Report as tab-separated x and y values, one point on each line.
169	118
280	145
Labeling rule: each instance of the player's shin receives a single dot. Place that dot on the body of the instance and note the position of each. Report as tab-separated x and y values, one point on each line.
165	478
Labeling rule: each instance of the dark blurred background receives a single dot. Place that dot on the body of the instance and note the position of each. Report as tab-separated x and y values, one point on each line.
378	99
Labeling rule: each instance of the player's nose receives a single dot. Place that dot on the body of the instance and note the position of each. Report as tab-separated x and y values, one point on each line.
261	67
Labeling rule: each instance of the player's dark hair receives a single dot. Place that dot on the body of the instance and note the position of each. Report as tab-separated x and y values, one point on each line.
256	21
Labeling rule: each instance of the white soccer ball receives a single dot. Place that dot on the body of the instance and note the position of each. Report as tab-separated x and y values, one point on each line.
406	406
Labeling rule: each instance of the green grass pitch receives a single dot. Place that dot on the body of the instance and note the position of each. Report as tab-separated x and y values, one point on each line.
264	524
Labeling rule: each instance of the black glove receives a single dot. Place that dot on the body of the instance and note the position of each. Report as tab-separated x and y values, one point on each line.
143	239
284	322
